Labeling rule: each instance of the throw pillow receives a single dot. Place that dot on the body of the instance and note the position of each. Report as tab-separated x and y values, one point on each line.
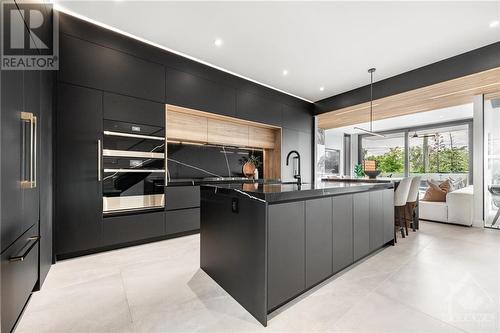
434	193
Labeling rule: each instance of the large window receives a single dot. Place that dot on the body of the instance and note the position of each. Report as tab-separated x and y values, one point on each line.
388	152
440	153
437	152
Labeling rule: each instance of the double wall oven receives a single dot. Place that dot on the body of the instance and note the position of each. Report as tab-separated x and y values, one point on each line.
132	167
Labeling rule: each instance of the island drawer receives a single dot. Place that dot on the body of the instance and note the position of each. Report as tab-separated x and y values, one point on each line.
182	220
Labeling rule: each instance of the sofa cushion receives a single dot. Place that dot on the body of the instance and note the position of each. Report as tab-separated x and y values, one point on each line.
433	211
460	205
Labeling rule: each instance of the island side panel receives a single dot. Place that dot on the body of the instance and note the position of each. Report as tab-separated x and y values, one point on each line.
233	247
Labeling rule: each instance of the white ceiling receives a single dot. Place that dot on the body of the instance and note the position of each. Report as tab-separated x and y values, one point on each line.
329	44
450	114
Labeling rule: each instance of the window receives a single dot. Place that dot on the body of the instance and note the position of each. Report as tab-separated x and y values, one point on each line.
388	153
440	153
332	161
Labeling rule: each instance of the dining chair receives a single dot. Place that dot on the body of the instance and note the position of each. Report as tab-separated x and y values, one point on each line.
411	202
400	199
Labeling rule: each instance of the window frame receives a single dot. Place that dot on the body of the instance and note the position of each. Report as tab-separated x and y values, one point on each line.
406	130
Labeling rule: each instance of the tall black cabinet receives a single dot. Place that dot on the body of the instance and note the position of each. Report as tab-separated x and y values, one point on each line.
79	129
26	187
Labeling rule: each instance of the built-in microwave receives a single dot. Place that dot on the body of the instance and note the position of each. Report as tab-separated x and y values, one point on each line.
133	167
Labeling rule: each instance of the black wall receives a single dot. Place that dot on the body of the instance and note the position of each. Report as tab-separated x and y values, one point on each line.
101	59
471	62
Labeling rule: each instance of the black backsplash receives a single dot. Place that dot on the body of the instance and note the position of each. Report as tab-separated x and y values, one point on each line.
201	161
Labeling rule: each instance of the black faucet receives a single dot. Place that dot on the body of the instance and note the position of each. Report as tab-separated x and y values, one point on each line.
295	175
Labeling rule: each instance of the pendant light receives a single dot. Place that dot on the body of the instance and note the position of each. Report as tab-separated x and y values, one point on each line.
371	132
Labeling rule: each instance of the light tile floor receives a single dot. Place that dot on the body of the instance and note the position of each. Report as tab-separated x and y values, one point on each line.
442	278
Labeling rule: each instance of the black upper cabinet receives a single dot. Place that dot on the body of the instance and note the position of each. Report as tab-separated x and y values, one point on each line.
133	110
184	89
297	119
91	65
253	107
78	191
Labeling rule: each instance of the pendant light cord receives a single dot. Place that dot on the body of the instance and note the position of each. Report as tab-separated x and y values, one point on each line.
371	99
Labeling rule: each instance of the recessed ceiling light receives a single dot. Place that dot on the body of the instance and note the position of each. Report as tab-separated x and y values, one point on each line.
285	72
218	42
321	88
494	24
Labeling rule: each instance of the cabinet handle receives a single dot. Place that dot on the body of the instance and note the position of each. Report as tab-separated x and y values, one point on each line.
137	136
28	181
35	149
32	241
99	160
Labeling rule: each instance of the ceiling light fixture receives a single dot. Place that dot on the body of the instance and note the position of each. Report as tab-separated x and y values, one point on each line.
218	42
371	132
321	88
285	72
494	24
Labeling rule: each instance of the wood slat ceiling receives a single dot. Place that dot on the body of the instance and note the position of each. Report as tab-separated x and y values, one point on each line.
437	96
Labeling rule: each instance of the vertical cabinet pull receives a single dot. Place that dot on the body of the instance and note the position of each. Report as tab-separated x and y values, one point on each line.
28	177
99	159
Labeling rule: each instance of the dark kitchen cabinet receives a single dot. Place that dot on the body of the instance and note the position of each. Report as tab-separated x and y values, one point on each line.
297	119
361	224
95	66
182	220
130	228
46	172
179	197
286	248
19	267
187	90
256	108
319	240
133	110
376	219
31	201
342	232
13	160
78	189
388	197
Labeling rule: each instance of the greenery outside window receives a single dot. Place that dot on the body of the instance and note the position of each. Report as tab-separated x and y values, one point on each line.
436	152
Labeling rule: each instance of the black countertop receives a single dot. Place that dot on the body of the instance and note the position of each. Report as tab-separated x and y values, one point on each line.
291	191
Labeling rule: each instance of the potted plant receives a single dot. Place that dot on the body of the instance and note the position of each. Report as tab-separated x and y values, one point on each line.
250	165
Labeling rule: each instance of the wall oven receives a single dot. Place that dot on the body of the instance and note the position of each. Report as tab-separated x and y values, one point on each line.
133	167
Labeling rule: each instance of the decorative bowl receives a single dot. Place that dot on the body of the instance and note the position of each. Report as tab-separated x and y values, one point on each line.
373	174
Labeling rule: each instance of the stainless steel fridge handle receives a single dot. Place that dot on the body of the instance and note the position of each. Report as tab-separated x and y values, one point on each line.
99	160
27	181
35	149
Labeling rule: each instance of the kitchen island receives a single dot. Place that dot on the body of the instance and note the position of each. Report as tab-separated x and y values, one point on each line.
265	244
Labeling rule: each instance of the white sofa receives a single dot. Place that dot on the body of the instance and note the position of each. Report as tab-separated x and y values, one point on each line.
457	209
